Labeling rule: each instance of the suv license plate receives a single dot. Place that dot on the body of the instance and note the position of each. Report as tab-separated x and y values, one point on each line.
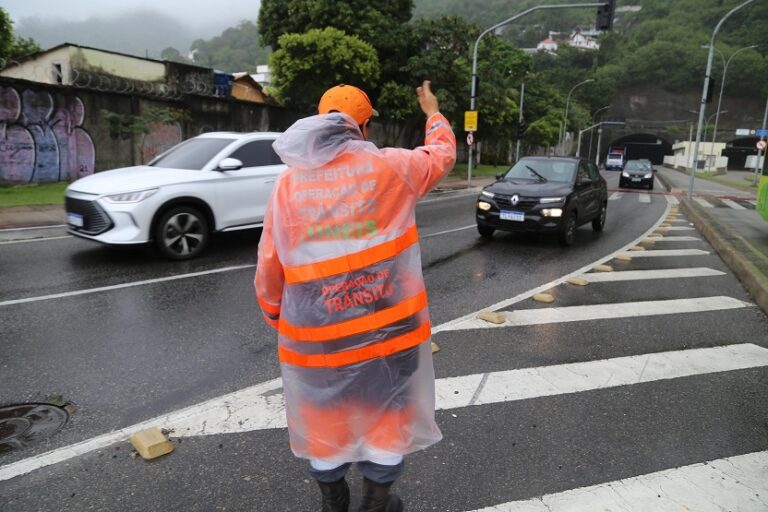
515	216
75	219
635	179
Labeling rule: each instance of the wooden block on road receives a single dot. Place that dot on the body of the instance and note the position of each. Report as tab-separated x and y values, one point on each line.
637	248
435	347
578	281
623	257
603	268
492	317
151	443
546	298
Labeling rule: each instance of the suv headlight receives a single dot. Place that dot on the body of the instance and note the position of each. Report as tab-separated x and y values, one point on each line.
488	194
130	197
549	200
625	174
649	175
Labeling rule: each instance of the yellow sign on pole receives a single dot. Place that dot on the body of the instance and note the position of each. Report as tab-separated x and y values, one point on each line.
470	121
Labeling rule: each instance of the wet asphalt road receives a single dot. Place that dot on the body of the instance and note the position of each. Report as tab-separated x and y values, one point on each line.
125	355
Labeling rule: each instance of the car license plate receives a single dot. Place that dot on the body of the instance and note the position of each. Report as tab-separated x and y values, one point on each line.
75	219
635	179
515	216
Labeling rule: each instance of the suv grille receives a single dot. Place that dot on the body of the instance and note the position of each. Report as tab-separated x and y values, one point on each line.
95	220
524	204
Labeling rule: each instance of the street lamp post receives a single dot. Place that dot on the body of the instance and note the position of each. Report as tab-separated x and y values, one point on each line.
704	91
472	102
726	63
716	115
567	104
592	132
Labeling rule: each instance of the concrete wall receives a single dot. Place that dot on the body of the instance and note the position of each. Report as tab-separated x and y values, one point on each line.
52	133
124	66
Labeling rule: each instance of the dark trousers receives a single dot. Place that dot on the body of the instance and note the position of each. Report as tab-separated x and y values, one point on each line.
378	473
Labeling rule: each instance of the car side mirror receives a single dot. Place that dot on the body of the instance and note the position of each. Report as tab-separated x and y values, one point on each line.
500	176
230	164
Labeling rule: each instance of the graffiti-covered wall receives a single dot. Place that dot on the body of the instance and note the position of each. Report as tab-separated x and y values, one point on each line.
52	133
42	138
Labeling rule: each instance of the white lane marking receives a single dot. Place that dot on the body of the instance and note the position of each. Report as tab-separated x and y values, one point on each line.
644	198
615	196
123	285
262	406
679	228
523	317
677	239
28	240
703	202
33	228
732	204
662	253
446	326
672	199
448	231
640	275
471	192
753	203
732	483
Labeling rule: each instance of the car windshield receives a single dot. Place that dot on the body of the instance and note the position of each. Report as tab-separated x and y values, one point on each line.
614	157
634	165
542	170
193	154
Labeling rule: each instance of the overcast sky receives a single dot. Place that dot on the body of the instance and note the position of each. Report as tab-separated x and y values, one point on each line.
216	14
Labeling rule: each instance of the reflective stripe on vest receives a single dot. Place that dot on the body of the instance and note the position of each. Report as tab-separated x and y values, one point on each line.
404	309
351	262
358	355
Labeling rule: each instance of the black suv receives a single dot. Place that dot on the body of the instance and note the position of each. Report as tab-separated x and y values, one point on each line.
544	194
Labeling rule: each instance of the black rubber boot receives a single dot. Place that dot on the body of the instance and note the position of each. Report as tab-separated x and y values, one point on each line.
376	498
335	496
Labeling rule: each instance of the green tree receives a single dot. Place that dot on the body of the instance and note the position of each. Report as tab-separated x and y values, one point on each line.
308	64
236	49
381	23
173	55
11	46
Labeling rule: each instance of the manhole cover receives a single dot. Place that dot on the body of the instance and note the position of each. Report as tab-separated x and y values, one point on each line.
23	424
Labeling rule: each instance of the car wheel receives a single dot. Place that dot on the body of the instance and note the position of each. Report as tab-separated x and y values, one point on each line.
182	233
485	231
568	232
621	184
598	223
650	186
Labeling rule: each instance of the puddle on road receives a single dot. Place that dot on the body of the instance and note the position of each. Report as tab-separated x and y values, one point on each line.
23	424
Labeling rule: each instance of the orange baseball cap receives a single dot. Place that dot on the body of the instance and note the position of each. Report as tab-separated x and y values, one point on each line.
349	100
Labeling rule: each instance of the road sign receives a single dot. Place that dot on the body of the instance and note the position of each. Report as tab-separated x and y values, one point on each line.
470	139
761	133
470	121
760	145
743	132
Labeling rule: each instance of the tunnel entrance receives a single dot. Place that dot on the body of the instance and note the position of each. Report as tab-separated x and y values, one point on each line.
642	146
738	150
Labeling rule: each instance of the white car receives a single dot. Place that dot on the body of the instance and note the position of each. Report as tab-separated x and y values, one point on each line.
213	182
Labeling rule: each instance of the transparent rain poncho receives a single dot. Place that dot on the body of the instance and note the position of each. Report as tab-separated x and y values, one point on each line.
339	276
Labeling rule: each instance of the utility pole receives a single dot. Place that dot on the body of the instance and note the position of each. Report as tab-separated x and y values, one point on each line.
592	132
705	90
567	104
520	120
604	22
599	139
758	166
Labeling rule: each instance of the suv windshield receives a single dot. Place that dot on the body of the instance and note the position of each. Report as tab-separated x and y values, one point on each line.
192	154
634	165
536	169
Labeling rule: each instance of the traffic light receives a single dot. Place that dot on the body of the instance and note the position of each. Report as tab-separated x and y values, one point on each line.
605	15
710	90
521	129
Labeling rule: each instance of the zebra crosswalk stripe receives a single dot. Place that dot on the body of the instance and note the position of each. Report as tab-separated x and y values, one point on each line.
672	199
644	198
732	204
615	196
638	275
703	202
731	483
659	253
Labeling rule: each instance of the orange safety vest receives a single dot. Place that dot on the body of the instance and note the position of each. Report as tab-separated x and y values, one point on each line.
339	277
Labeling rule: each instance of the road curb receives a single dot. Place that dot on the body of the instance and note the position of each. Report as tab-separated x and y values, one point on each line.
737	253
663	181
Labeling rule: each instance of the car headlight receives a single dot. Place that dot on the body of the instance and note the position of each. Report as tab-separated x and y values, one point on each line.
649	175
484	206
552	212
546	200
130	197
488	194
625	174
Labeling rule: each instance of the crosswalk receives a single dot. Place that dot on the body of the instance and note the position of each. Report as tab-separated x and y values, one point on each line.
735	481
645	198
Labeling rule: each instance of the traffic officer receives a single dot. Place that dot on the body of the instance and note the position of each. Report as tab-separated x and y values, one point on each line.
339	277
